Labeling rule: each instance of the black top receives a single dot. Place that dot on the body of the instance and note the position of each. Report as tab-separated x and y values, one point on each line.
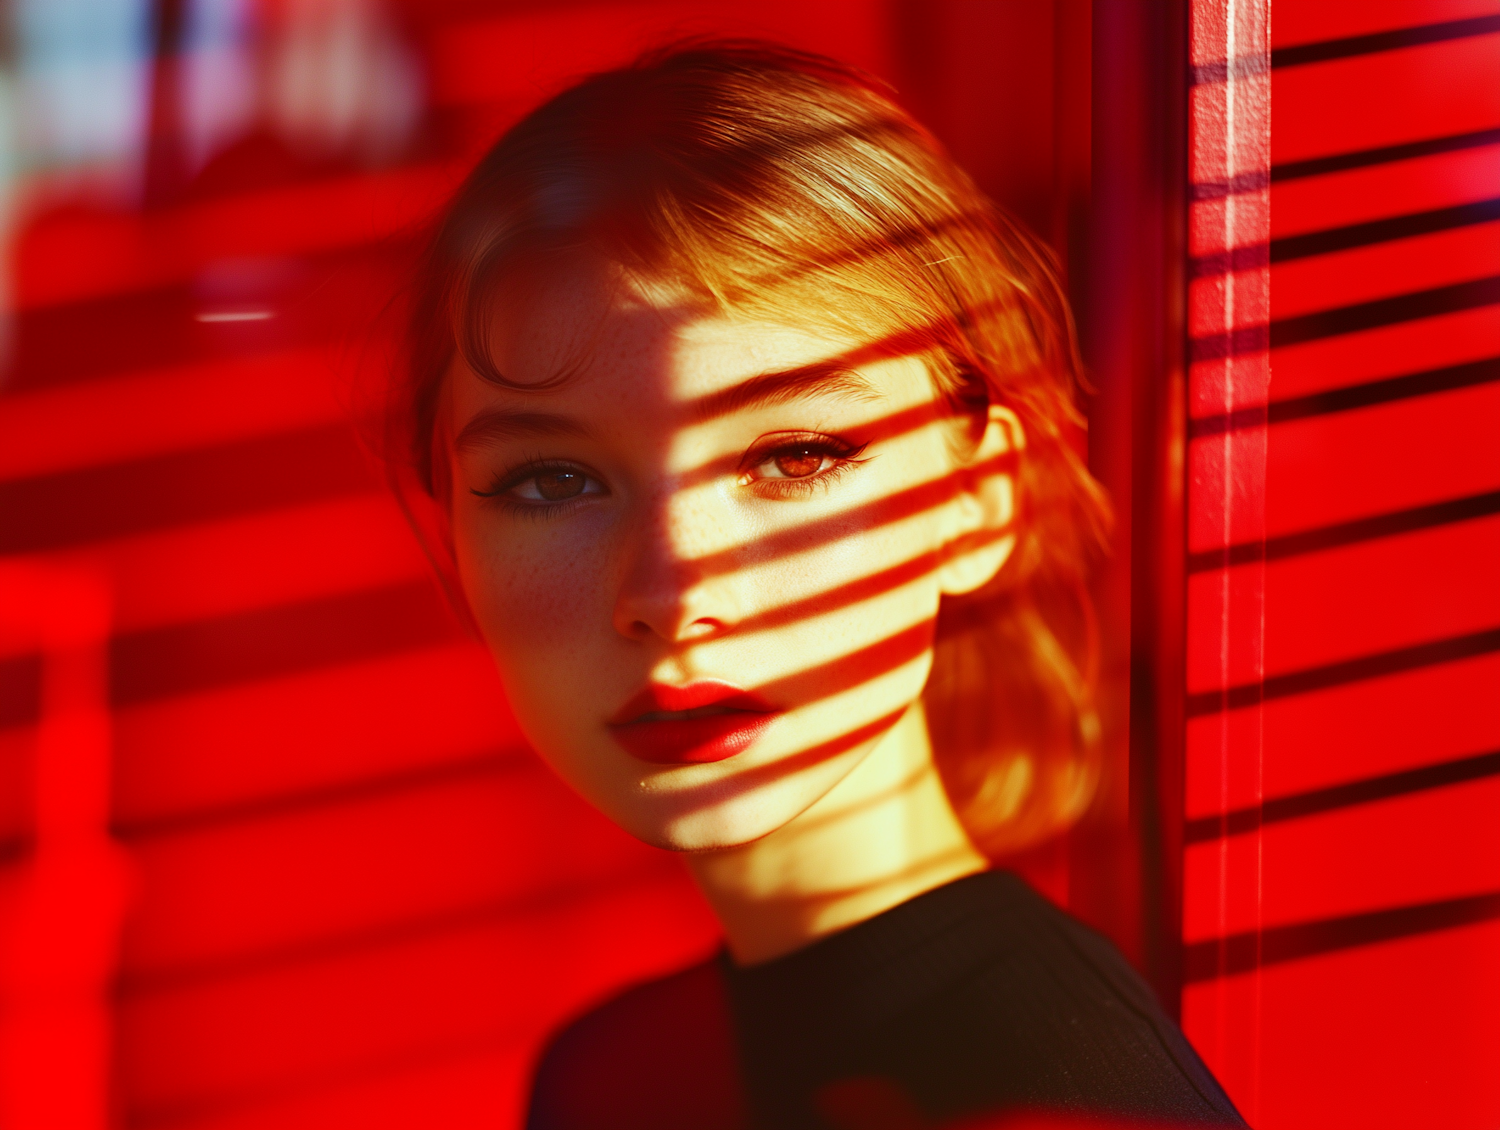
978	996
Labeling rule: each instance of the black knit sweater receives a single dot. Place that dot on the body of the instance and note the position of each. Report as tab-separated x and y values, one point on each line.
977	997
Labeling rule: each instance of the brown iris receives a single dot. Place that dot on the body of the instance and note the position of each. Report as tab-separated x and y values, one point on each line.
555	486
799	464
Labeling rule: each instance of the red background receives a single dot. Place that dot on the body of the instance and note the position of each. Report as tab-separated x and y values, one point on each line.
357	900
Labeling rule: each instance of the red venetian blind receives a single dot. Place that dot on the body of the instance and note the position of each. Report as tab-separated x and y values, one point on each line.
1342	859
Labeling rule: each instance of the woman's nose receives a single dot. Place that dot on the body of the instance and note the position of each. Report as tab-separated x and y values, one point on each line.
677	584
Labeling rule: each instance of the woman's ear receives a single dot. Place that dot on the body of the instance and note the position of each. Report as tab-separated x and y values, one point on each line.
982	533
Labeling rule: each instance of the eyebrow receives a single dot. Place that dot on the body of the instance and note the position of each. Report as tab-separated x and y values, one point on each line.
495	424
778	388
498	423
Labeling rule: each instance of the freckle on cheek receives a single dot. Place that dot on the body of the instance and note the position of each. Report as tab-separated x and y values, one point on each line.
535	601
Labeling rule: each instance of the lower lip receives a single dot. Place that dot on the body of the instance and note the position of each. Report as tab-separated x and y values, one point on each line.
692	741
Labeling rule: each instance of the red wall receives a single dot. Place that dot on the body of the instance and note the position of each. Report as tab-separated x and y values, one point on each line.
1342	867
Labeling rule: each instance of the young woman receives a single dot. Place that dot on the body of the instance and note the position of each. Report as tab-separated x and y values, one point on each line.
739	424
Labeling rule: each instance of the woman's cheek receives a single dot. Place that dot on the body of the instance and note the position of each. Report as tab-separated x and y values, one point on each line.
537	604
541	594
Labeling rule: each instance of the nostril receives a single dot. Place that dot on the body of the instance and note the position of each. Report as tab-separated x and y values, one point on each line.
700	628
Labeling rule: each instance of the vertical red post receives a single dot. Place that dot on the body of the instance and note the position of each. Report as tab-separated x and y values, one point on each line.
1228	389
1132	305
60	921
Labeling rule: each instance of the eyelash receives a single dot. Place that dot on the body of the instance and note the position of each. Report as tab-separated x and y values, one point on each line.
529	469
844	454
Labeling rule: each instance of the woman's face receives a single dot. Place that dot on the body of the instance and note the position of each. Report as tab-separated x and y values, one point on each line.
708	561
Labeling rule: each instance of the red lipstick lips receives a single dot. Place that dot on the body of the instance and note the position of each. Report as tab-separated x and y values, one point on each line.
693	724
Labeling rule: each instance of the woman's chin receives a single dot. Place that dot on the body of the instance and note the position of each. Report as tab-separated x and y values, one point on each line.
705	830
704	808
724	818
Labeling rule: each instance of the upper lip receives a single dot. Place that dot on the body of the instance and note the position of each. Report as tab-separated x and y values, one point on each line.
664	698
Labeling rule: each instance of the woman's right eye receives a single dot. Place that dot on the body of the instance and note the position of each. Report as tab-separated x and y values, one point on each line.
541	486
551	486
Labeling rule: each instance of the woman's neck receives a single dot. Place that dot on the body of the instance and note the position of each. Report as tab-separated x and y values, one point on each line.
884	834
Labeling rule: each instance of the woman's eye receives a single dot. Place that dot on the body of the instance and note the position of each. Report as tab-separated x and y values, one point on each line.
553	486
795	463
799	464
547	484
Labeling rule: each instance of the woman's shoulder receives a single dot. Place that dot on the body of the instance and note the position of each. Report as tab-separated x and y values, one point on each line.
1033	928
660	1055
1068	993
976	996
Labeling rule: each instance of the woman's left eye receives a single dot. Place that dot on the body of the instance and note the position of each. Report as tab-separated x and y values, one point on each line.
799	463
794	463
